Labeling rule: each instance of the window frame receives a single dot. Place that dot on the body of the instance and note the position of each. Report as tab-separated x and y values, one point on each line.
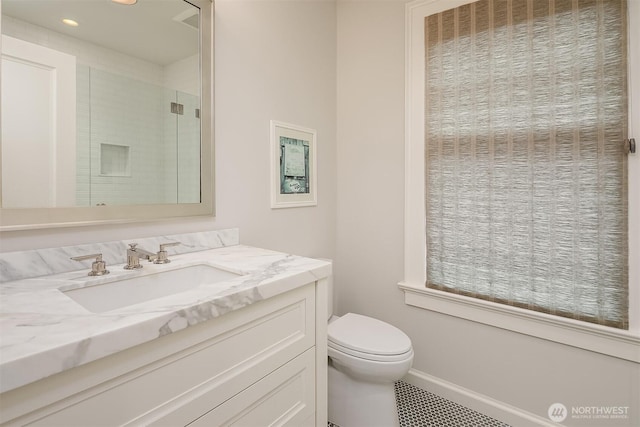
602	339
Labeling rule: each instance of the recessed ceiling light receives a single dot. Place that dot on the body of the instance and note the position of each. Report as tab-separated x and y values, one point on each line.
70	22
127	2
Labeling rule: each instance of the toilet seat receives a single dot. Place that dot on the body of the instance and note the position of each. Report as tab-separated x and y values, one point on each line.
368	338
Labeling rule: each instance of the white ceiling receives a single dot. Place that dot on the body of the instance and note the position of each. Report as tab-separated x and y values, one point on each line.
146	30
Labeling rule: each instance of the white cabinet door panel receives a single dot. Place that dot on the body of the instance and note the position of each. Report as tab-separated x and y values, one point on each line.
285	397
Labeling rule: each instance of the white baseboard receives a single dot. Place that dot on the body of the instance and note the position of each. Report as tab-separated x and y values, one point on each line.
478	402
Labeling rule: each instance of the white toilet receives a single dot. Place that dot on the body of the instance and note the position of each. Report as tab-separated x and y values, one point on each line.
366	357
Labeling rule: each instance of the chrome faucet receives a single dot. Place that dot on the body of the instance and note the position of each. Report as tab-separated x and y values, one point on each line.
134	254
98	267
162	253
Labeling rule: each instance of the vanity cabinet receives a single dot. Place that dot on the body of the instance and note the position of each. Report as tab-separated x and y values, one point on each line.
264	364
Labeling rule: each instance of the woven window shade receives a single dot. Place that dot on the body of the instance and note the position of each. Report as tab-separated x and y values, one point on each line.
526	117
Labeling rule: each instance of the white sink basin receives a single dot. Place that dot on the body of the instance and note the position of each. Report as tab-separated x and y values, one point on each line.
122	293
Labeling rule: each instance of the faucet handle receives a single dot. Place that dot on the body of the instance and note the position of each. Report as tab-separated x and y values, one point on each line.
133	259
164	245
162	253
98	267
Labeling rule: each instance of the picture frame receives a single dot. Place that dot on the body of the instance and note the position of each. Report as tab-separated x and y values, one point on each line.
293	166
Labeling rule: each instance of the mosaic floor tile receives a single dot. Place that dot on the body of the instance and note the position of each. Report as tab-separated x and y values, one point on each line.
420	408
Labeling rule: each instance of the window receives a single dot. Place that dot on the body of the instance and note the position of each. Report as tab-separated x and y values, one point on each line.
526	114
522	123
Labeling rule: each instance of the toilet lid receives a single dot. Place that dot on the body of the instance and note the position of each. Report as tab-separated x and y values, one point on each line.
367	335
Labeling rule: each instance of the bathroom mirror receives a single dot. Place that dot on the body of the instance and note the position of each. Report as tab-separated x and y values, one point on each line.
106	111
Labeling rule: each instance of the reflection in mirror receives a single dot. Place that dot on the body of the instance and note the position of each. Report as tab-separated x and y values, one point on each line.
105	112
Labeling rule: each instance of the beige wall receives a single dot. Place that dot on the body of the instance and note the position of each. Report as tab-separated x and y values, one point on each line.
522	371
274	60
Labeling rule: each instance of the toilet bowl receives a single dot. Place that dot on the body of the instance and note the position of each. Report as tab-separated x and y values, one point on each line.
366	357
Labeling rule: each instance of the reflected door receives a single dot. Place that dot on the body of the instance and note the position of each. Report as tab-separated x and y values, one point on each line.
38	126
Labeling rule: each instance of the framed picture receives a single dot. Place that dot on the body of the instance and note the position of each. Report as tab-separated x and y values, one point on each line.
293	166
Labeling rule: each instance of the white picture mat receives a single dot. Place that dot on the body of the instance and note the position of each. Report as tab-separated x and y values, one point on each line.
279	200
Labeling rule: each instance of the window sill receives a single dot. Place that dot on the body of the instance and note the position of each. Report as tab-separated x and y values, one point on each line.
610	341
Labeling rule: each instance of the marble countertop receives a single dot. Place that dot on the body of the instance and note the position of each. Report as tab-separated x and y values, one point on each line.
44	332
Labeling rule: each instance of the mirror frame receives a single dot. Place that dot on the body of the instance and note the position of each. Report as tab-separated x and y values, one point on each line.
34	218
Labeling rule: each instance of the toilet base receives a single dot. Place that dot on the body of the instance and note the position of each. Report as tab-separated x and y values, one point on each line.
354	403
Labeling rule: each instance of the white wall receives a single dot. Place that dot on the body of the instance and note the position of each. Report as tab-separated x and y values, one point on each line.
274	60
522	371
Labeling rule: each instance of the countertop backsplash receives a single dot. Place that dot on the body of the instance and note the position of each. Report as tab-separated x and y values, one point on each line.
43	262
